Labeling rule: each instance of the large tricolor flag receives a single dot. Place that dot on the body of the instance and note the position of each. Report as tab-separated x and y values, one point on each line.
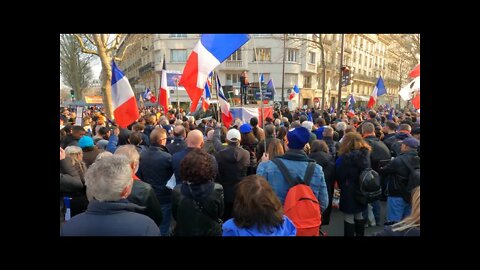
245	114
123	100
224	105
210	51
377	91
294	93
350	106
415	73
406	93
271	87
207	94
164	95
147	95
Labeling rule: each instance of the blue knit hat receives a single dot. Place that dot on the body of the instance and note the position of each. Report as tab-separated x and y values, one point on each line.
85	141
298	137
245	128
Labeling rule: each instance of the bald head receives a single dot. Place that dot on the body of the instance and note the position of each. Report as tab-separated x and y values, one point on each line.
195	139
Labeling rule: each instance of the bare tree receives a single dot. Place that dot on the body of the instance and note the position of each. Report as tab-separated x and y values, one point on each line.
107	47
408	46
74	65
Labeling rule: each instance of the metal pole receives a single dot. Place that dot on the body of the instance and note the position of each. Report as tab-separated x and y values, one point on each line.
262	115
283	69
178	99
218	105
400	83
324	73
340	79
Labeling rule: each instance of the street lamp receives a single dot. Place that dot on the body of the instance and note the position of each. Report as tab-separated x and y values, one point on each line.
178	100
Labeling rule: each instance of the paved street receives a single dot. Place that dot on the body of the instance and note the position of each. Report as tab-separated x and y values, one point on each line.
335	228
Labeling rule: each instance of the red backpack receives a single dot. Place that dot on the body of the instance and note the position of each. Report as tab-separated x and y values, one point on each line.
301	205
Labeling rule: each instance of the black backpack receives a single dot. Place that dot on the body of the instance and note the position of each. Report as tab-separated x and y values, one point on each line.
370	188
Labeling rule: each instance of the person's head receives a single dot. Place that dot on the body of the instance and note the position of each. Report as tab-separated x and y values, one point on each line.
109	178
409	144
238	122
178	122
327	132
256	204
308	125
277	122
282	132
102	155
158	136
195	139
151	119
75	153
320	122
138	127
319	146
295	124
368	129
297	138
275	148
233	136
254	121
372	114
416	133
86	142
353	141
350	128
78	132
341	126
104	132
131	153
179	131
390	127
135	138
197	167
413	220
405	128
269	130
210	134
302	118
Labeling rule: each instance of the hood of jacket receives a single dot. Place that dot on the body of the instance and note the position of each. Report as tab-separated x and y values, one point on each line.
197	192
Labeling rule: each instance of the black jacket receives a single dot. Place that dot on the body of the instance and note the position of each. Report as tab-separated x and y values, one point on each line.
156	169
71	186
143	195
328	165
233	162
396	173
387	231
393	143
177	145
348	169
379	152
191	220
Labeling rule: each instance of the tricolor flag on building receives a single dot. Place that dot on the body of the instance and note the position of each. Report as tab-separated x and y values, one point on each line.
124	104
164	93
210	51
224	105
377	91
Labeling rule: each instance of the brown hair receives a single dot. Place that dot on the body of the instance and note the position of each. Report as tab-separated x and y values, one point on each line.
282	132
319	146
275	148
197	167
353	141
256	204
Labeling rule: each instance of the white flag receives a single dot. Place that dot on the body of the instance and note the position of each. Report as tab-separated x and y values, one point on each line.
407	91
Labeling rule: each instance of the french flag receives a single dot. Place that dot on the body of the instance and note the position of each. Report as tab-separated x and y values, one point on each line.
164	95
210	51
377	91
295	92
207	94
224	105
123	100
245	114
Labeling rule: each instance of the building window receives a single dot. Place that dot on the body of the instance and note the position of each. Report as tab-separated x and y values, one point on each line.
158	56
263	54
178	35
292	55
178	56
354	56
233	79
236	56
360	59
307	81
312	57
371	60
291	79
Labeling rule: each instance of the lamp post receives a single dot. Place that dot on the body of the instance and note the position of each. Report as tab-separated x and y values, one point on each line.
178	100
340	79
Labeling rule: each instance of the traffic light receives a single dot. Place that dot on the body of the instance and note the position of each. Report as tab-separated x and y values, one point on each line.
72	93
345	75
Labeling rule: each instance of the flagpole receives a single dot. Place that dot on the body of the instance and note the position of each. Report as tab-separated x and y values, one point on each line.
340	80
261	94
219	119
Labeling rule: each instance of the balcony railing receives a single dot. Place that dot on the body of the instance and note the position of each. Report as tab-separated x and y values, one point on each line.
233	63
311	67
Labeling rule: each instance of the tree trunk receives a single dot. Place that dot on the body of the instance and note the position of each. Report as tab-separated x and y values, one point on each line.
106	60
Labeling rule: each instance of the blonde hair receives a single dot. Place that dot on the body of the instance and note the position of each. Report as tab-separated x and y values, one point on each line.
413	220
74	152
275	148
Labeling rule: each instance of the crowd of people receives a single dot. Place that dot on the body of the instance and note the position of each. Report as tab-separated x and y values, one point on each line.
169	175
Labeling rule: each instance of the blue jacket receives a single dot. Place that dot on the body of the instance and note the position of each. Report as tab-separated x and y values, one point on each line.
286	229
110	219
296	162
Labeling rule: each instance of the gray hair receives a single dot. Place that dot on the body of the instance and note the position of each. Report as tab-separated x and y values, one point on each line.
129	151
178	122
108	177
102	155
72	149
308	125
284	119
277	122
341	126
327	131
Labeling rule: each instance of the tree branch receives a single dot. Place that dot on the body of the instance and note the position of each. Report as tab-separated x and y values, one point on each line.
89	39
115	45
124	50
84	49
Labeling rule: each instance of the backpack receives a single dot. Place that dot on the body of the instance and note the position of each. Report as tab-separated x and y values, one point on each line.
301	206
369	187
